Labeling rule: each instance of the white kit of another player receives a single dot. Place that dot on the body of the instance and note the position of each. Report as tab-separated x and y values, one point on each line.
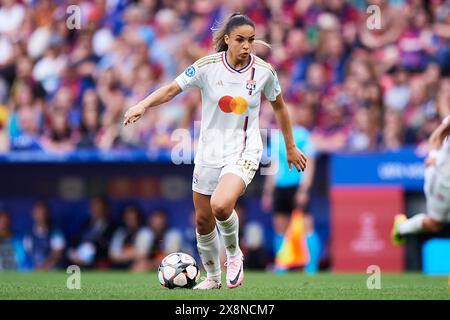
436	188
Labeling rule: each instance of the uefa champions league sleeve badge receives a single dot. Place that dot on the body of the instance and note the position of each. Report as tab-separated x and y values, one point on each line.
190	71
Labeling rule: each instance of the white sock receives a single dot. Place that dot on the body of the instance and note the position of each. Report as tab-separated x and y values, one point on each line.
229	229
412	225
208	248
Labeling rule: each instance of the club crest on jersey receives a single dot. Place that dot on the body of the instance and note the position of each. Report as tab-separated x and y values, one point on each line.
190	71
251	85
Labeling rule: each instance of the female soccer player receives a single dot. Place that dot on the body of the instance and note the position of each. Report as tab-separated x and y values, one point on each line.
230	146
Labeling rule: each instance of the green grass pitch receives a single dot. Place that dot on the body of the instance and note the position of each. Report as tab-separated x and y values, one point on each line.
257	285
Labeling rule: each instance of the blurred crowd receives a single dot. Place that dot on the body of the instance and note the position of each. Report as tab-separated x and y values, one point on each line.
64	88
133	240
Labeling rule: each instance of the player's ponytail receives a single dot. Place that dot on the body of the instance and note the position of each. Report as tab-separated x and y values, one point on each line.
235	20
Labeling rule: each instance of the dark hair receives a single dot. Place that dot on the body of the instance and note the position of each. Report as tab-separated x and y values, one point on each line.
136	209
235	20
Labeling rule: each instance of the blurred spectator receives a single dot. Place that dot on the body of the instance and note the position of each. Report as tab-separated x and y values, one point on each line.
12	13
332	54
126	246
364	134
414	41
4	136
397	95
299	55
48	69
45	244
91	249
11	253
332	132
443	98
395	134
325	55
59	136
419	104
392	24
90	121
156	240
28	137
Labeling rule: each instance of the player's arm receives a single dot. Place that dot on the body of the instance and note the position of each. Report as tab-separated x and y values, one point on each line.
160	96
304	188
438	135
268	189
436	139
294	155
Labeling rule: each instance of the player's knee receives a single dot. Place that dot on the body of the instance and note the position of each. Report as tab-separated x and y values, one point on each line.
221	208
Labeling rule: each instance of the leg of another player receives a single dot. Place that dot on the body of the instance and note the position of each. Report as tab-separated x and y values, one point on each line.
432	225
280	222
418	223
208	242
223	201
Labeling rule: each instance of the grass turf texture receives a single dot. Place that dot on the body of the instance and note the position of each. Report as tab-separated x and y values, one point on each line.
257	285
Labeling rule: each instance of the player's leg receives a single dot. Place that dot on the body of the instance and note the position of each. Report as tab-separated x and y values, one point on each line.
280	223
283	205
419	223
438	207
223	201
208	242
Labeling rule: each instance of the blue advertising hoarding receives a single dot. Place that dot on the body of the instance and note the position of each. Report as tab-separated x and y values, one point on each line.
402	168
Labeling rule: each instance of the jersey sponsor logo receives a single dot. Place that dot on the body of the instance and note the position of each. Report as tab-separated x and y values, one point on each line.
237	105
219	83
190	71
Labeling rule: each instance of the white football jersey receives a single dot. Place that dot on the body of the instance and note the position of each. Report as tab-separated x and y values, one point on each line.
230	107
443	162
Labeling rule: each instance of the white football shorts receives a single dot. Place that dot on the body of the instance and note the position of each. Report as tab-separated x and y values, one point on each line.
437	195
206	179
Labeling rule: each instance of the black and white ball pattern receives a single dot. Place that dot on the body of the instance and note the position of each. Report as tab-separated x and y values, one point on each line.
178	270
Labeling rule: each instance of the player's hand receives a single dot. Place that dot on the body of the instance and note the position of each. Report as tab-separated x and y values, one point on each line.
297	158
134	114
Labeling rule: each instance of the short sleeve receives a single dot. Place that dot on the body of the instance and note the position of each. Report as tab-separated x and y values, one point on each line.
272	87
191	77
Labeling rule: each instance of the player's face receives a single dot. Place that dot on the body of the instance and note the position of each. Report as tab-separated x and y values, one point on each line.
240	42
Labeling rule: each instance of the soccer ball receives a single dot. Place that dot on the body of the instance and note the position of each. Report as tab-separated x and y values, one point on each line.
178	270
